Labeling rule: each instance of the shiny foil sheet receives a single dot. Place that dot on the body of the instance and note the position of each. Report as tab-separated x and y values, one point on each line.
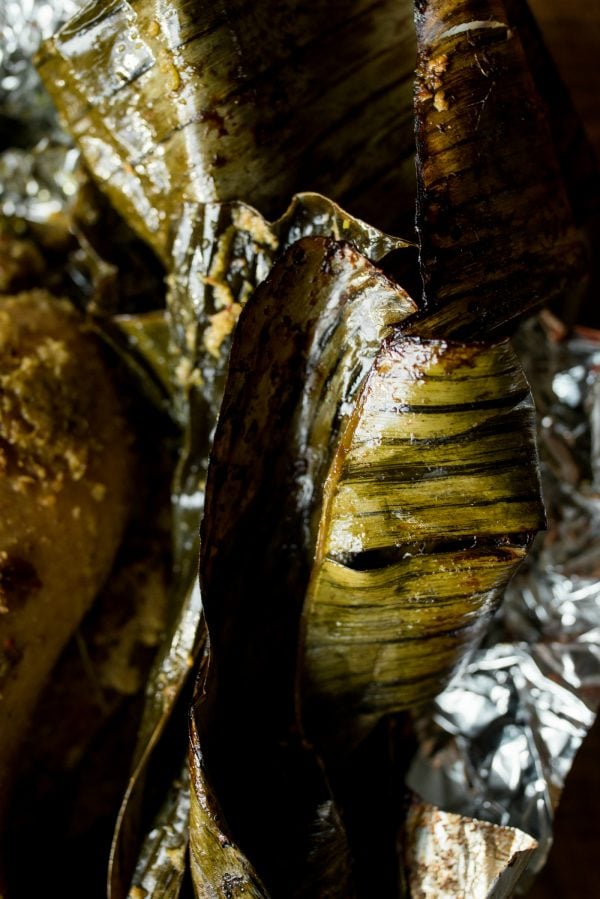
37	162
500	740
24	104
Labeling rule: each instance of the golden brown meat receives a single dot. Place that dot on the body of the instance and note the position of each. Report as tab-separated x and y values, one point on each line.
65	463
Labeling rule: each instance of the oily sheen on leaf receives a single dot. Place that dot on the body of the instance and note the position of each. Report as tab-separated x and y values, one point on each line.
220	253
305	343
495	226
207	102
433	501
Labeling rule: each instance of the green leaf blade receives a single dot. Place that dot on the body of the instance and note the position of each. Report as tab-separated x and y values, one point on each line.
432	509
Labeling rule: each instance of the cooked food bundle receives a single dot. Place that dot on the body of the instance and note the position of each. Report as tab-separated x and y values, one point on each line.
65	458
372	482
368	498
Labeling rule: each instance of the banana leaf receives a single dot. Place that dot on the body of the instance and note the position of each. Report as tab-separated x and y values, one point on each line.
294	374
577	159
400	519
191	101
218	866
161	863
221	252
430	507
496	229
218	251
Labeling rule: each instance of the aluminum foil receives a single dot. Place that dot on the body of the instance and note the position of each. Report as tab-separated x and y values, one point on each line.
23	102
38	165
500	740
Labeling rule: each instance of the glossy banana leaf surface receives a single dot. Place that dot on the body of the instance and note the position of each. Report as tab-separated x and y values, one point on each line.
496	232
433	501
240	101
369	512
220	255
219	868
306	341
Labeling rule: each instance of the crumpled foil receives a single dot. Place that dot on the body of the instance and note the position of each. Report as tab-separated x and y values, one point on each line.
501	738
23	102
37	184
38	164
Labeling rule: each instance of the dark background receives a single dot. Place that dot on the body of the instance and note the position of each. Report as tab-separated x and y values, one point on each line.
572	31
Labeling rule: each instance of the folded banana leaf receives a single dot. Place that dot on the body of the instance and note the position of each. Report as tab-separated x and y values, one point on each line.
576	156
219	868
400	501
221	253
496	230
196	101
294	375
432	503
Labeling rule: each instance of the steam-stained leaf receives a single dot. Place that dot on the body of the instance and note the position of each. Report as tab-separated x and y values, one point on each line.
220	255
304	345
576	157
220	870
162	860
417	490
142	342
433	501
234	101
173	667
221	252
496	233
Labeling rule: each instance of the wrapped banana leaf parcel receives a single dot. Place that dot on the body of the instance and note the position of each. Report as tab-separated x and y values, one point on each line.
355	435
